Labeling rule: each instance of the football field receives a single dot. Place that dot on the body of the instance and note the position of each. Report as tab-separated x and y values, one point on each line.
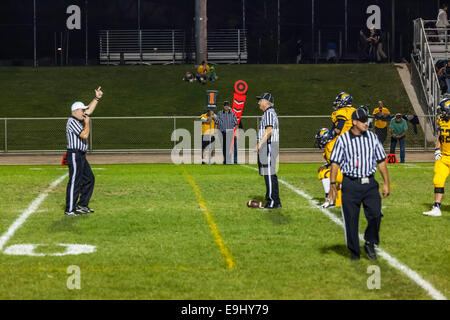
163	231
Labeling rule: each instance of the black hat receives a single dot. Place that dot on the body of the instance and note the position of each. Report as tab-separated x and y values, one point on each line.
226	103
266	96
360	114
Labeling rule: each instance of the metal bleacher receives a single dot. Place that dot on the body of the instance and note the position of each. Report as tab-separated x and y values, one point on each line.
169	47
430	45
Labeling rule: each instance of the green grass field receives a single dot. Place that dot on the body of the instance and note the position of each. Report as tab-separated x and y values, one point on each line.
184	232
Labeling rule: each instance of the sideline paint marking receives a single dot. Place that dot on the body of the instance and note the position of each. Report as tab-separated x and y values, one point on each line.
29	211
413	275
212	225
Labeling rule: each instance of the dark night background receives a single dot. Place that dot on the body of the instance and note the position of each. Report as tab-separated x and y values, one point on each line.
16	25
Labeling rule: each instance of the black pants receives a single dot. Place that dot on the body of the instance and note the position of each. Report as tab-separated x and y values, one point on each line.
81	180
267	158
381	134
226	146
353	194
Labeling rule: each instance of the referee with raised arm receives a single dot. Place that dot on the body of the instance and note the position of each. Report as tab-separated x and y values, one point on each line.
81	178
357	152
268	149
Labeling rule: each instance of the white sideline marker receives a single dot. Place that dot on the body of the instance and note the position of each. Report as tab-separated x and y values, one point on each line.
413	275
28	212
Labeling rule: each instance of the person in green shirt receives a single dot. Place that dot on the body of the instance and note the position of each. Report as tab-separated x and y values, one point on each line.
398	129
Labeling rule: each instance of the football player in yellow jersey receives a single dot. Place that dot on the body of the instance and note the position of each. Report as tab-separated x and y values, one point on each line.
442	157
325	141
342	116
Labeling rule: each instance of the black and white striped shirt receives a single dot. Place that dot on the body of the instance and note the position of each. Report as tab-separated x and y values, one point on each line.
358	155
73	129
269	119
226	120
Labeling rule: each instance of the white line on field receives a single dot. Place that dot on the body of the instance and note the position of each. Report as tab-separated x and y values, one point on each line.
28	212
413	275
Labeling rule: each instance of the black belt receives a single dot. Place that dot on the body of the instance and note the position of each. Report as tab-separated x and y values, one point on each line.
75	151
358	179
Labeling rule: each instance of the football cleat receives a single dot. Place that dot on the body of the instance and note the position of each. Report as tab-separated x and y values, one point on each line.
327	204
434	212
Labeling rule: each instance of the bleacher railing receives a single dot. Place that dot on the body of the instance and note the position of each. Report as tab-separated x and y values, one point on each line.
169	46
429	46
158	134
142	46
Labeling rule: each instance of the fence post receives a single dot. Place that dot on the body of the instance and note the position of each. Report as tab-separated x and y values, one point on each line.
140	45
6	136
174	131
107	46
173	46
239	46
90	135
319	45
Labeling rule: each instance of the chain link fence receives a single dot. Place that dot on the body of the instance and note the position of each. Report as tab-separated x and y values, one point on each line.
154	134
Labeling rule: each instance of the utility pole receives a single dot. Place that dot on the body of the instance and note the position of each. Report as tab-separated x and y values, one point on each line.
34	35
201	51
86	32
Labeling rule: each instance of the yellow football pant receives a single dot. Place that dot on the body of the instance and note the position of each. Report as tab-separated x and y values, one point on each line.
441	171
325	173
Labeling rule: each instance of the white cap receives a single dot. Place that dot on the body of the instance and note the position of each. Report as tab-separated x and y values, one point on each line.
78	105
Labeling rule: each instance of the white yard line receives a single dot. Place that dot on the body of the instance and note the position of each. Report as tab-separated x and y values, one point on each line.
28	212
411	274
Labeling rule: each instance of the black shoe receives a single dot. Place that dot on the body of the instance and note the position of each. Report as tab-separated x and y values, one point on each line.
71	213
354	257
271	207
370	251
83	210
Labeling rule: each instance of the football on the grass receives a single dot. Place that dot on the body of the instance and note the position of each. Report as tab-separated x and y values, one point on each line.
254	204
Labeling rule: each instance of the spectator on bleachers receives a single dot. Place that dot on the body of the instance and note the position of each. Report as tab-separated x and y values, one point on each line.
442	22
363	46
376	53
373	39
447	76
299	47
331	55
440	71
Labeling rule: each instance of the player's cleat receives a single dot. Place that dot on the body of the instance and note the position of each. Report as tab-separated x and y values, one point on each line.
327	204
71	213
434	212
83	210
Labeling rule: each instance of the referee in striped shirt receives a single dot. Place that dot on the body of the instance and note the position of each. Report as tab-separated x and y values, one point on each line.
358	152
81	178
227	122
268	148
